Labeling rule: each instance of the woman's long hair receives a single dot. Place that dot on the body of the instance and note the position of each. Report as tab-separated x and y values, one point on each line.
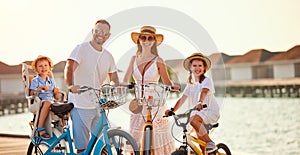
153	49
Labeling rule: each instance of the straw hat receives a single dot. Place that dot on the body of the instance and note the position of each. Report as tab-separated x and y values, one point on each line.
196	55
147	30
33	64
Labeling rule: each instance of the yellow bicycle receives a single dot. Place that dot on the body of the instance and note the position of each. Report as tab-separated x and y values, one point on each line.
190	141
150	95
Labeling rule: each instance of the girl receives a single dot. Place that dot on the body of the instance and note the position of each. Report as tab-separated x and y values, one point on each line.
200	90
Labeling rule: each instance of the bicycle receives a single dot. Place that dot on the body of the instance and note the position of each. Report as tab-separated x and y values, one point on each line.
106	140
150	95
189	140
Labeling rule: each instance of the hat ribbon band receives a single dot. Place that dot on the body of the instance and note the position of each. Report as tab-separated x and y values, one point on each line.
148	31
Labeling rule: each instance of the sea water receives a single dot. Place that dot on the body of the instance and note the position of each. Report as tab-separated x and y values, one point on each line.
249	126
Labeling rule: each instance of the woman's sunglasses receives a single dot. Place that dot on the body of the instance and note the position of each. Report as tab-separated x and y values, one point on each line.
149	38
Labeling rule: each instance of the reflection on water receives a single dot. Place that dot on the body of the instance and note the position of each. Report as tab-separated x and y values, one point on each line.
249	126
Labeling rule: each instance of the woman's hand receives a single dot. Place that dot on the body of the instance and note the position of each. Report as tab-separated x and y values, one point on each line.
176	88
167	112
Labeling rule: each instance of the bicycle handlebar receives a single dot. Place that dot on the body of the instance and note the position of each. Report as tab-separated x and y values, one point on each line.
183	115
131	85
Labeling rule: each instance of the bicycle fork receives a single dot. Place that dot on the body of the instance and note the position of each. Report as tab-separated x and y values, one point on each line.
148	135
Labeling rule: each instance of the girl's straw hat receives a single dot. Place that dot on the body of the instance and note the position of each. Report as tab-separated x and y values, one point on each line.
147	30
196	55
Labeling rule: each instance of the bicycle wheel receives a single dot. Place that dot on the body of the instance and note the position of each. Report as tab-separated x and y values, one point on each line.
222	150
36	150
42	148
147	141
121	143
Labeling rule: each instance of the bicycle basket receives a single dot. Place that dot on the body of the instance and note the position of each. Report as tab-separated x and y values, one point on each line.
111	97
151	94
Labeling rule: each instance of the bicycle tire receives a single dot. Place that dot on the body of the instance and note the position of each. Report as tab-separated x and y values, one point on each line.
179	152
122	138
222	150
36	149
147	141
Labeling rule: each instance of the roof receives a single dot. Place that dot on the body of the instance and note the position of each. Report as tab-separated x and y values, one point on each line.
291	54
16	69
253	56
219	58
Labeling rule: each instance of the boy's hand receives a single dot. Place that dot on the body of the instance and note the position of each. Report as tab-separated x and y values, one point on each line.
45	88
55	90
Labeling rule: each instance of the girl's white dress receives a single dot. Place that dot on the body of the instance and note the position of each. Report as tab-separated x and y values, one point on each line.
163	140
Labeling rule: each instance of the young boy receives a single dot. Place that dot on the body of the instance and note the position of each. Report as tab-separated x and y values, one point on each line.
44	86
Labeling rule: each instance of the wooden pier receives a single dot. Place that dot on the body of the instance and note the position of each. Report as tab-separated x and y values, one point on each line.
13	144
12	104
261	88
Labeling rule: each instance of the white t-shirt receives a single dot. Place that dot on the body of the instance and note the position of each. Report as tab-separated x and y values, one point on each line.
92	70
193	92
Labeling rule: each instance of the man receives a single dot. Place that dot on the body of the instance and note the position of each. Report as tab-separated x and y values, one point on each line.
88	65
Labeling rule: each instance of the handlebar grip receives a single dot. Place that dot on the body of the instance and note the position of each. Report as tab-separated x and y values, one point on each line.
83	89
130	85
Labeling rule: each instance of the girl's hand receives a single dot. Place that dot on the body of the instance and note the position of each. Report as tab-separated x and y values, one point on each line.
199	106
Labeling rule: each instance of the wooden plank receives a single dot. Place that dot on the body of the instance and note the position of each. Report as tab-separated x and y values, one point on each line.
13	145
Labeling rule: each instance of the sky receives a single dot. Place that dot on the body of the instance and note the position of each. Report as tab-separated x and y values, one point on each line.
53	28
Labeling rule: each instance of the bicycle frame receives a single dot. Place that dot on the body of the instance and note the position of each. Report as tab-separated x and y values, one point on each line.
188	139
191	141
98	141
148	139
102	127
148	134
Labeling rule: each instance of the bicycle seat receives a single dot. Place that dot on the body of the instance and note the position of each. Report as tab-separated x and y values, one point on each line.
61	109
210	126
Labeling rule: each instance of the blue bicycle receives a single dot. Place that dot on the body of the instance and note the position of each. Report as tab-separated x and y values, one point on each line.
105	141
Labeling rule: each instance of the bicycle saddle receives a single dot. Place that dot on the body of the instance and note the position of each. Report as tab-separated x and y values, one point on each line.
61	109
210	126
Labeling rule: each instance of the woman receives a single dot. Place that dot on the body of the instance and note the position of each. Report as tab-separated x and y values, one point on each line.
147	67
